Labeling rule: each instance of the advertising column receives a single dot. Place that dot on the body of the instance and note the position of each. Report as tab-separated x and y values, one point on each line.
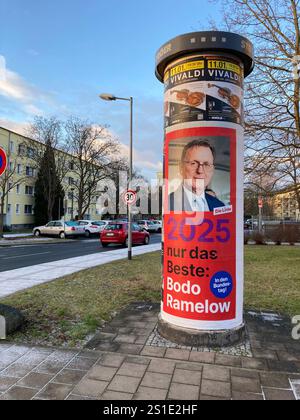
202	294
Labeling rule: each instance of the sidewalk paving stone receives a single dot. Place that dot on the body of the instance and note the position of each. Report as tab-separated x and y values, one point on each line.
6	383
240	396
19	393
245	385
177	354
274	380
216	388
148	394
202	357
69	376
132	369
154	351
183	392
35	380
55	391
226	360
113	396
122	383
90	388
111	360
188	377
156	380
216	373
127	370
278	394
101	373
161	366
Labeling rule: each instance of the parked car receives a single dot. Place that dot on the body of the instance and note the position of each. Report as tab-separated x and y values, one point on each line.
93	227
117	233
148	225
158	225
60	229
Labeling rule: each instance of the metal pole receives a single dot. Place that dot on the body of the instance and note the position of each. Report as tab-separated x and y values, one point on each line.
129	182
260	220
72	208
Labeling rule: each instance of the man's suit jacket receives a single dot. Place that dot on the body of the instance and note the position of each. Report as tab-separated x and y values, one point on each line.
178	201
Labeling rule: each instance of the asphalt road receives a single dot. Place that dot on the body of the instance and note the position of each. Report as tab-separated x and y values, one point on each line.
19	256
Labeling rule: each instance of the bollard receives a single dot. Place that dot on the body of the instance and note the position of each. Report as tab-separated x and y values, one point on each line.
203	274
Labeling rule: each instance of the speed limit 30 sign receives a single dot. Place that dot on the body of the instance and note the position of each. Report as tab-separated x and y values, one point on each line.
130	197
3	161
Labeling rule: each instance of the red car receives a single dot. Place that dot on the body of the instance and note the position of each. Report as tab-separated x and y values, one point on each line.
117	233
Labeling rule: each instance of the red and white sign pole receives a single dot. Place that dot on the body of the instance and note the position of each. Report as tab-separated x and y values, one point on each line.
3	161
203	74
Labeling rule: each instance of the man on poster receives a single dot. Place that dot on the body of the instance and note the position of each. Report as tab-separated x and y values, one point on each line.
197	166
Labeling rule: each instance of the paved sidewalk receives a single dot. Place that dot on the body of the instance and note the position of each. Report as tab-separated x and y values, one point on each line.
13	281
119	364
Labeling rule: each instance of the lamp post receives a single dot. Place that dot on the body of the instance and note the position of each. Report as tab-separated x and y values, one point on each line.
110	97
72	205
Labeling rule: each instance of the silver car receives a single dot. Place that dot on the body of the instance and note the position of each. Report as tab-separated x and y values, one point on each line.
93	227
60	229
147	225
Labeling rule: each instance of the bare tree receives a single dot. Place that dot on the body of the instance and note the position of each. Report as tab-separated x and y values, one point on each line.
273	89
96	157
8	181
47	150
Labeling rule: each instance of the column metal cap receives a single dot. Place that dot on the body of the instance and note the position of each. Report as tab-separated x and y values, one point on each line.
201	42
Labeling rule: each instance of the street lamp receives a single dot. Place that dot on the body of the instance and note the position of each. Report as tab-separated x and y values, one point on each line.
72	205
110	97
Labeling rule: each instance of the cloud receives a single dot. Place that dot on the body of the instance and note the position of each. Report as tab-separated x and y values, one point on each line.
14	88
18	127
143	160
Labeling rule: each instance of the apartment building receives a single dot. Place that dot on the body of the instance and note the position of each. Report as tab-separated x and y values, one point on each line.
286	206
19	204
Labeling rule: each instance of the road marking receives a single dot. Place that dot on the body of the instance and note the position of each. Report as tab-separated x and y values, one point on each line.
296	388
26	255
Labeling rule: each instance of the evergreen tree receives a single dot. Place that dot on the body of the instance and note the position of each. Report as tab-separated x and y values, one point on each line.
49	194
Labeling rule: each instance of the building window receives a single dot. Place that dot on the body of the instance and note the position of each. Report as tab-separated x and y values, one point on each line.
28	209
71	166
70	181
29	171
29	190
11	166
21	150
11	146
18	188
19	169
30	152
8	208
17	208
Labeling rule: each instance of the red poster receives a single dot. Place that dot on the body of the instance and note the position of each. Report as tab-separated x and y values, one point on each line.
199	274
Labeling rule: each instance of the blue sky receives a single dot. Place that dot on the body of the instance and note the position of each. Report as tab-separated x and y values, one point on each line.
59	55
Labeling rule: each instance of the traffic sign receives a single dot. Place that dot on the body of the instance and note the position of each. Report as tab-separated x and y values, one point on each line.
3	161
130	197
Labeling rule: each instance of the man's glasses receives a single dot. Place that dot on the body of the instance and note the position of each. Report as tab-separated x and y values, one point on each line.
195	165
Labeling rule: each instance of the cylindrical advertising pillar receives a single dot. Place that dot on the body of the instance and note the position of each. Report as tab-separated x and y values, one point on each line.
203	275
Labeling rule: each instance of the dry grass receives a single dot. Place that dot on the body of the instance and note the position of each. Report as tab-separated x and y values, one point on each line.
65	311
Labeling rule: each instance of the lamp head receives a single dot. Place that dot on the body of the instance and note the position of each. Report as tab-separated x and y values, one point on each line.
107	97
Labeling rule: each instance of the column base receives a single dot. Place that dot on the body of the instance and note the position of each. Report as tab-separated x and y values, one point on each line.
196	338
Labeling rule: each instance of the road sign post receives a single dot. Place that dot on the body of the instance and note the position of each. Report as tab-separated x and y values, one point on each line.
129	198
3	161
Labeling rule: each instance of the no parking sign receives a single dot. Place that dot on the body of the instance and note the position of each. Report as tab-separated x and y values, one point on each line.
3	161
